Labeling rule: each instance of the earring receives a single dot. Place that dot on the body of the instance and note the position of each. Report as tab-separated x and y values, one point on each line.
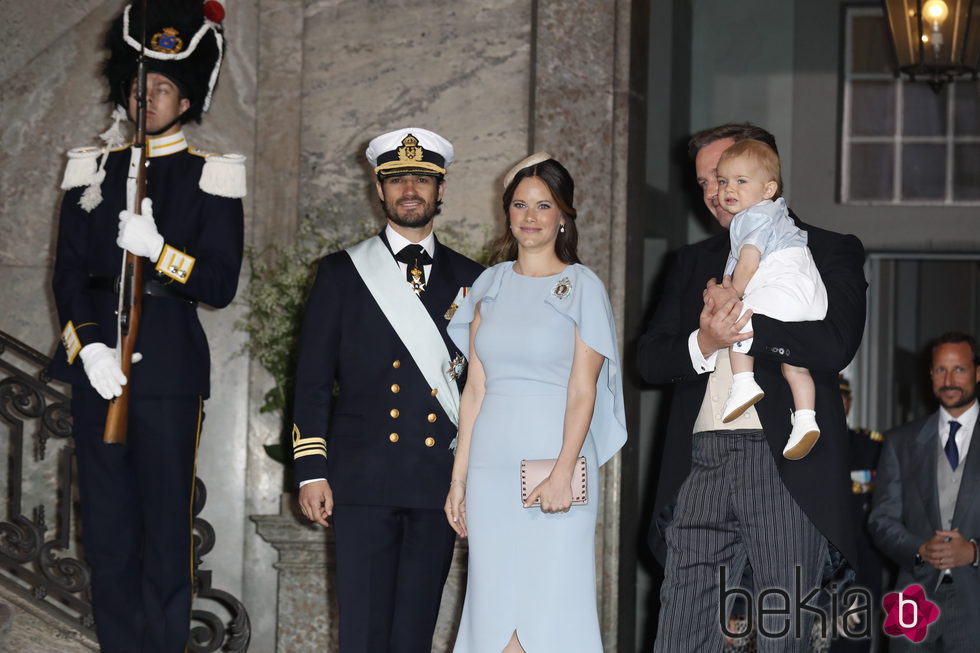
561	229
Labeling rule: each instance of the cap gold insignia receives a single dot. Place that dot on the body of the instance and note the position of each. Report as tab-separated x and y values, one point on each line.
410	149
167	41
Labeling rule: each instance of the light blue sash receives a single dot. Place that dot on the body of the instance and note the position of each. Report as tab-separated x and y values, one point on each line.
408	317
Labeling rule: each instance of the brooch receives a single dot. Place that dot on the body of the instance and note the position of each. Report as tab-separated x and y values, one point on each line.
456	367
451	311
563	288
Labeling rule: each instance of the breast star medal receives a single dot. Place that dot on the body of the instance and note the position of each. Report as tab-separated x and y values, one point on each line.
456	367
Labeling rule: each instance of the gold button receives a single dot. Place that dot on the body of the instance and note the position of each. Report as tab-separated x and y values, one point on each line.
430	442
396	388
434	392
394	412
396	364
393	437
431	417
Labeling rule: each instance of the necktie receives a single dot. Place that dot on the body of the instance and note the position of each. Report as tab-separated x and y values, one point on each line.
415	258
952	453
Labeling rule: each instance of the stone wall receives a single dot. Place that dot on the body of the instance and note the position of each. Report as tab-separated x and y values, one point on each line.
305	85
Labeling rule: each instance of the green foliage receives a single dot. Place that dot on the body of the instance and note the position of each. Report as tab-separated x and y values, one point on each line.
280	280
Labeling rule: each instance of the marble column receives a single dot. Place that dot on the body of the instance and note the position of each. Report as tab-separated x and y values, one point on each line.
306	599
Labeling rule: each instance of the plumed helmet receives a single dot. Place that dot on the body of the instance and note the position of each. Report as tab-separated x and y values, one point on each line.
184	41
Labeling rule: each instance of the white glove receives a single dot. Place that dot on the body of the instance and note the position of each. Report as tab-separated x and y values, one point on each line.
138	233
101	365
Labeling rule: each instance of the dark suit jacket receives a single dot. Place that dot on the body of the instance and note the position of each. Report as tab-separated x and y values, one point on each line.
906	508
382	393
819	483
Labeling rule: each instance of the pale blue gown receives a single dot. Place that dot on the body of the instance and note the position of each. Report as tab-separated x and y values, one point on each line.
529	571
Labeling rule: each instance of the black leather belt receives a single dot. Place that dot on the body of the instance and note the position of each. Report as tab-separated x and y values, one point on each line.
151	287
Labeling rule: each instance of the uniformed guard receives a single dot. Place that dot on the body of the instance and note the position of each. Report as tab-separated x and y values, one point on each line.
864	449
137	497
378	456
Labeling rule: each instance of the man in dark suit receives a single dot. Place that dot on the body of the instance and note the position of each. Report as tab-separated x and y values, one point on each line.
377	456
926	513
726	496
137	497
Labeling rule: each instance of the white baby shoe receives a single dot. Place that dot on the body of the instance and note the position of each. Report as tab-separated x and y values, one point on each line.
741	396
804	435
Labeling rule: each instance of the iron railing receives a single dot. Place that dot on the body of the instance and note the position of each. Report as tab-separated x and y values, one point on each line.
42	561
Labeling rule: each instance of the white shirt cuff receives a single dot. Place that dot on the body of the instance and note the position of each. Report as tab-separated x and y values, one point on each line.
698	361
310	480
744	346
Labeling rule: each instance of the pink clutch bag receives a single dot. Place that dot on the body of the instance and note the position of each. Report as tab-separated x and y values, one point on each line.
535	471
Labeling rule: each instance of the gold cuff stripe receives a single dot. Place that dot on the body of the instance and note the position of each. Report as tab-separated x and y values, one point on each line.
308	441
305	447
69	338
175	264
301	454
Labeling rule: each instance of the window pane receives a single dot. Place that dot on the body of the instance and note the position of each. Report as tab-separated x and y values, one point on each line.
923	172
872	108
871	46
925	110
966	172
967	109
871	171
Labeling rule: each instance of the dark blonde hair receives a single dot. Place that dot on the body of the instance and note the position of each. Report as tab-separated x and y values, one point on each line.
761	154
562	188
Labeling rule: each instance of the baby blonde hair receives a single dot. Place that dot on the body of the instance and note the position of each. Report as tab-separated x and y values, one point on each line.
762	154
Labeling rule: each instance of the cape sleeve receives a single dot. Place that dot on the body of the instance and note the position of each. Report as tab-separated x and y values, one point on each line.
587	304
485	287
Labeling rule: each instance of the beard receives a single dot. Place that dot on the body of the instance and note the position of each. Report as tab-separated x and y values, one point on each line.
413	220
965	397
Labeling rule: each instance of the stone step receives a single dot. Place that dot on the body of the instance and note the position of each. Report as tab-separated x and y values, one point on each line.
25	627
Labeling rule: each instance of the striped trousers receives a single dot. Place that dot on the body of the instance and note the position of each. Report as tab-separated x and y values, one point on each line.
733	511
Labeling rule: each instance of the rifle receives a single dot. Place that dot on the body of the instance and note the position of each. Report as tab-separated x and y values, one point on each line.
130	305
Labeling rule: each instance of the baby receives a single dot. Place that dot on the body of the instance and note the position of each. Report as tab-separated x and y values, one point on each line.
773	271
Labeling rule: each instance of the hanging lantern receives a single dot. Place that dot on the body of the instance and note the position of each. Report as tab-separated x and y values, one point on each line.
935	40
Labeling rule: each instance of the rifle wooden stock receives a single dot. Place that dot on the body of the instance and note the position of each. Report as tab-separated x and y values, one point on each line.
131	283
117	418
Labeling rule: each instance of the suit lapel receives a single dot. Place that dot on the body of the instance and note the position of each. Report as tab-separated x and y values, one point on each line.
971	478
924	450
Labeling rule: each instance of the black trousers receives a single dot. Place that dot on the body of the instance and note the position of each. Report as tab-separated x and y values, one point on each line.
391	566
136	519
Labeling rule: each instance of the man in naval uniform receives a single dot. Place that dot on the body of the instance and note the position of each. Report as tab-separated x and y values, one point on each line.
377	457
137	498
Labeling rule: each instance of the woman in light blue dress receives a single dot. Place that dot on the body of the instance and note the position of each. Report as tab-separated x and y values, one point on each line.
544	382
